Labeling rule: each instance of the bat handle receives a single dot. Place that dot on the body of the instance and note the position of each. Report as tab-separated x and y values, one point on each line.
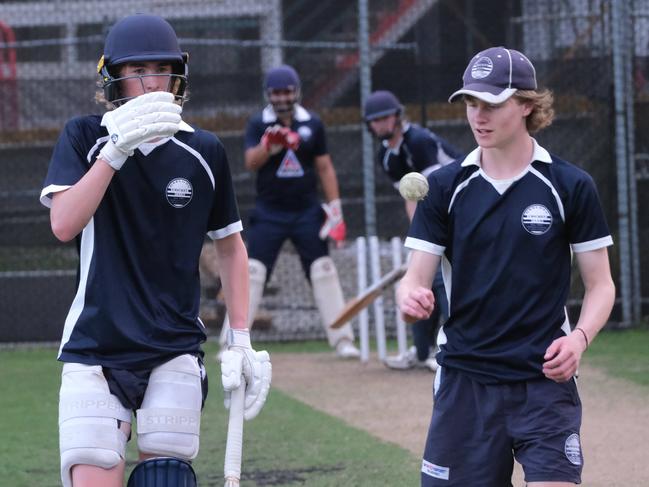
234	442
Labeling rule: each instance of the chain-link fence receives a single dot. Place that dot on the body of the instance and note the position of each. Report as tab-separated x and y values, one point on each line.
417	48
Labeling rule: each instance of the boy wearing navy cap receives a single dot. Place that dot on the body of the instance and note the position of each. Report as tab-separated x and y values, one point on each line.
504	225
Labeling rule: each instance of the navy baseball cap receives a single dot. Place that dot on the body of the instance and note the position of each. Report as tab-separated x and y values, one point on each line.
496	74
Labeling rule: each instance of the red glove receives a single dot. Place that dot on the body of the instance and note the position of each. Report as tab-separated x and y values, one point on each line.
276	138
334	225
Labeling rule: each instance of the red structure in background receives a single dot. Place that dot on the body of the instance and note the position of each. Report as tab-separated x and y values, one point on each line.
8	82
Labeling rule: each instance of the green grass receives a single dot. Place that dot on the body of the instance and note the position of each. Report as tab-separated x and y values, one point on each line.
289	444
623	354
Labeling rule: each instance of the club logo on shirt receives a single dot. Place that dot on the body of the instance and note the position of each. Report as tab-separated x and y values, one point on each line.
290	166
482	68
536	219
179	192
572	449
305	132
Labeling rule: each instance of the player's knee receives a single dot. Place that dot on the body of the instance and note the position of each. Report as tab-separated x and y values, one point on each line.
89	416
168	423
163	472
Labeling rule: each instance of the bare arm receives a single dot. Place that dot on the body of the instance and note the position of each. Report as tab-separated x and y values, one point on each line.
256	157
564	354
327	174
233	266
411	206
414	295
73	208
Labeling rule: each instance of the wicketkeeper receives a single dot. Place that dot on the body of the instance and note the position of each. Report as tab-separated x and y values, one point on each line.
138	188
285	146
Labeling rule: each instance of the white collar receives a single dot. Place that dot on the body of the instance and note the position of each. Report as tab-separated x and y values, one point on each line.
300	114
538	154
185	127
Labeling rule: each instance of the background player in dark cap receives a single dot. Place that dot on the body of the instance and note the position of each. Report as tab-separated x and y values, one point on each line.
406	147
285	145
138	189
505	224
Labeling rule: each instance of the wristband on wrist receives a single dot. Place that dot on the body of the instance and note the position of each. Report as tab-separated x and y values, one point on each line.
585	337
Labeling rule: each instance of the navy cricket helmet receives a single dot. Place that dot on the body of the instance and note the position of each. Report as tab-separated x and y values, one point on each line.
141	37
283	77
381	104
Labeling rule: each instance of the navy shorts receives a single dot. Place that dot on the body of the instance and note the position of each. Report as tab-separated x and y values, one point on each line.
270	227
478	429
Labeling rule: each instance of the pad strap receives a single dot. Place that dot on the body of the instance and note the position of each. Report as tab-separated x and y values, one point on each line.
95	405
103	436
168	420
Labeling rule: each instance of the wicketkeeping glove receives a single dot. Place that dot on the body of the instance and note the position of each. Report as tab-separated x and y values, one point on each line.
139	120
334	225
241	360
276	138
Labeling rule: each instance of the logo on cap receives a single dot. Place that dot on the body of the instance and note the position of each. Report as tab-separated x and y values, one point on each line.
482	68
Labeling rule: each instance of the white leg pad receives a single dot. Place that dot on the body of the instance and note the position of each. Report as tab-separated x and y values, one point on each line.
168	423
88	421
257	274
328	295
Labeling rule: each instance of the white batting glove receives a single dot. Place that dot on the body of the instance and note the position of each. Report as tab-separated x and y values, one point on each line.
255	367
139	120
334	224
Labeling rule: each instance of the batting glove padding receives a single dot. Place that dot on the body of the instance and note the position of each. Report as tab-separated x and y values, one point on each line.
241	360
145	118
276	138
334	225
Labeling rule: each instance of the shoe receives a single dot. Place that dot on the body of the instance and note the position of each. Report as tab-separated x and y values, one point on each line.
431	363
346	349
402	361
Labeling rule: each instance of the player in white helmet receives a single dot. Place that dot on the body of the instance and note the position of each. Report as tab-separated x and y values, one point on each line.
138	188
285	146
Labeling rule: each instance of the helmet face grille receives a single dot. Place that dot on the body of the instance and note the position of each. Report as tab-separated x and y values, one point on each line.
141	38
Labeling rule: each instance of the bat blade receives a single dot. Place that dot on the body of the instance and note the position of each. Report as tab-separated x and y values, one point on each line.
234	442
360	302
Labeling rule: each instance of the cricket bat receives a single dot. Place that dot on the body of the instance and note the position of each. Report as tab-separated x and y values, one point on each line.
360	302
234	442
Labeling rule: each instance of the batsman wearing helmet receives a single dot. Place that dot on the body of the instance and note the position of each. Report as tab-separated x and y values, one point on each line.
285	145
406	147
138	189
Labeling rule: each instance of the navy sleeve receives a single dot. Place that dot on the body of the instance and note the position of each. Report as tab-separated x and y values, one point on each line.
424	153
320	140
430	222
68	163
585	219
225	211
254	130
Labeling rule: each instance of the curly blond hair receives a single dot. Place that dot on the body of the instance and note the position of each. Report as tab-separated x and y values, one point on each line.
542	112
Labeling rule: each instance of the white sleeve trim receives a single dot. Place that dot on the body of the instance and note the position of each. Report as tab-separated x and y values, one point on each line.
424	246
592	244
46	194
224	232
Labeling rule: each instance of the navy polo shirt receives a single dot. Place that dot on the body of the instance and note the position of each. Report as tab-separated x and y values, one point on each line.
420	150
506	254
138	293
289	179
